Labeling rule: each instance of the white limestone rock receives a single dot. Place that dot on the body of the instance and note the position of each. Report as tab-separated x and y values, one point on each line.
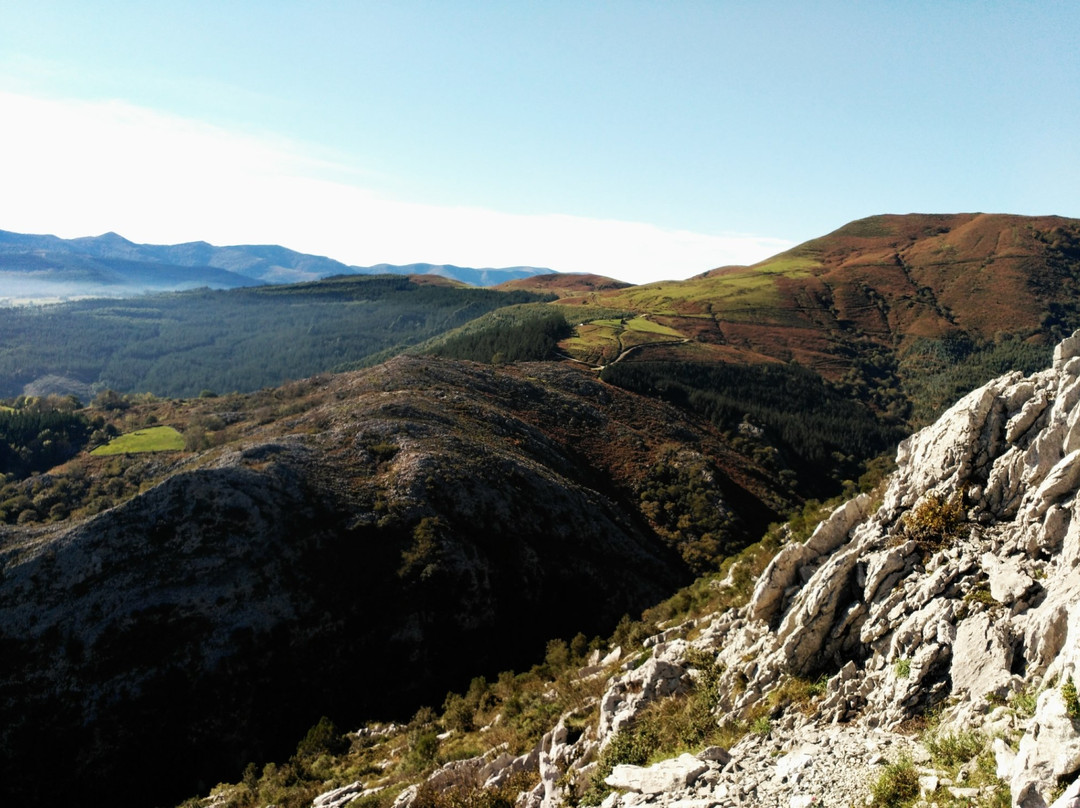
1049	750
778	576
1066	350
981	658
662	674
1060	481
1070	798
1020	423
887	621
667	775
338	797
1008	583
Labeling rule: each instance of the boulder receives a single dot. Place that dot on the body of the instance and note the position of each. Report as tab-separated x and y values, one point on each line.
715	754
1062	479
1049	750
1070	798
667	775
1008	583
981	658
779	575
338	796
662	674
1066	350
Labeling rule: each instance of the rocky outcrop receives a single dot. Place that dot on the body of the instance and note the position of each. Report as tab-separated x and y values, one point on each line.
959	593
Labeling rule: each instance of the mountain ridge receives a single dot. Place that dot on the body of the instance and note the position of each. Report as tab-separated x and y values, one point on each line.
867	277
451	481
110	263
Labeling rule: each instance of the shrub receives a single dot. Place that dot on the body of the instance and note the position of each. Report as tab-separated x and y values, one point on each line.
457	713
952	749
321	739
629	746
902	668
1072	703
423	750
1024	702
934	522
897	786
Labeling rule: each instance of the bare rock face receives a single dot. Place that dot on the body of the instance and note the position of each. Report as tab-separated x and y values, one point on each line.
663	674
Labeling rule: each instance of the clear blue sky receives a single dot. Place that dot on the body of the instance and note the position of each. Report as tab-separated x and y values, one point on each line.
635	139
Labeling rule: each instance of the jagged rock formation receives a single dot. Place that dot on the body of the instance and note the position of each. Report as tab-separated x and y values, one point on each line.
957	593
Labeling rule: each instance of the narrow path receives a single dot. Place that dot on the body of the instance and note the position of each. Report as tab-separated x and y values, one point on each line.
633	348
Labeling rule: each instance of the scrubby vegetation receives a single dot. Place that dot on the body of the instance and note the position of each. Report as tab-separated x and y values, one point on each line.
682	500
898	785
934	522
784	415
513	711
39	433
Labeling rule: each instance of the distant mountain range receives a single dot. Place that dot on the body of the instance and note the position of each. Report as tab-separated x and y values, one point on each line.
44	266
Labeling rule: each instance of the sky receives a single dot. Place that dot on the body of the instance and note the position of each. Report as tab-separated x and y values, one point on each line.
638	140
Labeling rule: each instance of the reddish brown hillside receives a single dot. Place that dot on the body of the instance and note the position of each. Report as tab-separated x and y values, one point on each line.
564	284
929	275
884	281
435	280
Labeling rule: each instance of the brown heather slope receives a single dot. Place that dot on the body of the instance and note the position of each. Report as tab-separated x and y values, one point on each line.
884	282
352	546
929	276
564	284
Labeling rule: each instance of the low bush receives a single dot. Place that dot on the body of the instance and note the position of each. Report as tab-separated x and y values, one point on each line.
897	787
934	522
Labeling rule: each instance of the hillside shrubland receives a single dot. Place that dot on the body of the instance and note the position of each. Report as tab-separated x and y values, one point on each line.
784	415
391	519
512	711
322	536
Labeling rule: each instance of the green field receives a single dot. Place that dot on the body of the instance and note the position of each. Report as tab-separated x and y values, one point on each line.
747	294
603	340
154	439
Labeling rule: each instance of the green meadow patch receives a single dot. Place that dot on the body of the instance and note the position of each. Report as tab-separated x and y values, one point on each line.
602	340
154	439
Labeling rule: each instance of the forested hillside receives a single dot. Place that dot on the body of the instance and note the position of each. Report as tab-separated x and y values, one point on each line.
181	344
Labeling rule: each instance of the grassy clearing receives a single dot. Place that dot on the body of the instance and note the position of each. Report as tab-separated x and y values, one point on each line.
603	339
649	327
154	439
747	294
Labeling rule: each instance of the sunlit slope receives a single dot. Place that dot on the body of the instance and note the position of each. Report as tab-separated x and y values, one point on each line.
885	280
